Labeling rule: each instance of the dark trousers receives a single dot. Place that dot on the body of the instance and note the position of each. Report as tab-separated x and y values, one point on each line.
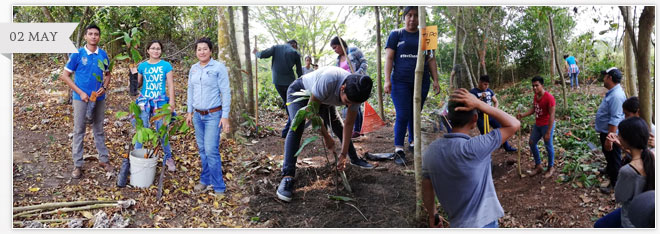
281	89
493	123
357	127
611	220
613	159
292	143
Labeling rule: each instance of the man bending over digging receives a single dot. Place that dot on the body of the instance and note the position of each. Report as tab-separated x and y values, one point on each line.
330	87
457	168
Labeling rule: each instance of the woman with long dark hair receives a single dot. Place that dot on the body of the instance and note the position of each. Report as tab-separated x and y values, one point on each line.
635	177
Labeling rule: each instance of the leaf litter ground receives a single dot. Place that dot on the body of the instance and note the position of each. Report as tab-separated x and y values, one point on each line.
382	197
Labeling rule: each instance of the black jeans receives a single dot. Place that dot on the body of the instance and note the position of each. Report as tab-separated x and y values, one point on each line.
329	115
613	159
281	89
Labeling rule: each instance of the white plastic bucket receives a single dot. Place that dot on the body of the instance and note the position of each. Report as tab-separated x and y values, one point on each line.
143	170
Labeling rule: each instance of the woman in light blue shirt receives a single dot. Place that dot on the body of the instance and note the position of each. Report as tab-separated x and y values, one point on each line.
209	99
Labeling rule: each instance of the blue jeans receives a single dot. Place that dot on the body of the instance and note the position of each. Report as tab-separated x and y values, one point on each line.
494	224
537	133
207	134
402	97
145	116
574	76
357	127
611	220
329	115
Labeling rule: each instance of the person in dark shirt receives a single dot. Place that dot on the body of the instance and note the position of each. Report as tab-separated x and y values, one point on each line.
487	95
285	56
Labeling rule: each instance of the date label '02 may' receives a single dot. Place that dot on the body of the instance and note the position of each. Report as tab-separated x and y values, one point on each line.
32	36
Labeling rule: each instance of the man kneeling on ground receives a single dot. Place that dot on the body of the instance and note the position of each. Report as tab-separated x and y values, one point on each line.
457	167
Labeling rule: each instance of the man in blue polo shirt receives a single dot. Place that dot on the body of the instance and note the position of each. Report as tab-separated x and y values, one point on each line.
89	77
608	116
457	168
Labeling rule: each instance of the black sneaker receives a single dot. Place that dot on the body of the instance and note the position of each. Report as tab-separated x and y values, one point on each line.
362	164
606	190
411	148
285	190
400	158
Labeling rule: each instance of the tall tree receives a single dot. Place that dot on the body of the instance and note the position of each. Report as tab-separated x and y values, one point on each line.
236	61
381	110
248	61
310	26
225	54
629	68
561	76
417	117
641	49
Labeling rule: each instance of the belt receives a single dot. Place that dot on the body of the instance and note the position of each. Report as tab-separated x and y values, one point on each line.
206	112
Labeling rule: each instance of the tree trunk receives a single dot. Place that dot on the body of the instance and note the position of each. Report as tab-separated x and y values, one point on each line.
236	70
552	58
646	25
381	110
454	80
629	68
417	118
225	54
561	76
47	13
468	69
82	25
248	61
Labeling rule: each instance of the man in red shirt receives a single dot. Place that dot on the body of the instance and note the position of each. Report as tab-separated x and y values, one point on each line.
544	110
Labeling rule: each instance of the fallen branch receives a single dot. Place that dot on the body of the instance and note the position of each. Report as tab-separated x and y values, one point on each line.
45	221
27	212
365	218
46	206
68	209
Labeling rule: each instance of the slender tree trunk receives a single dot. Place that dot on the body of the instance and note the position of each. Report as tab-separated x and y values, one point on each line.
236	60
381	110
468	69
561	76
82	25
417	117
225	54
248	61
46	11
629	69
646	25
552	58
454	81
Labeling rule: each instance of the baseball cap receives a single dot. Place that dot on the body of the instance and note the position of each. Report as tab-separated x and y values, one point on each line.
613	72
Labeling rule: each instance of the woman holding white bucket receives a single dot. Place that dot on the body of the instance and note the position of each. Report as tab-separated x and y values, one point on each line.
208	103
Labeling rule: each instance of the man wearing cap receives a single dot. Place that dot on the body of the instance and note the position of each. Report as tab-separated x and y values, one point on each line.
329	87
608	116
285	56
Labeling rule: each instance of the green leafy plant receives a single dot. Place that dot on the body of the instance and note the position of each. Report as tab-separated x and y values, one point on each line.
131	44
311	112
172	125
